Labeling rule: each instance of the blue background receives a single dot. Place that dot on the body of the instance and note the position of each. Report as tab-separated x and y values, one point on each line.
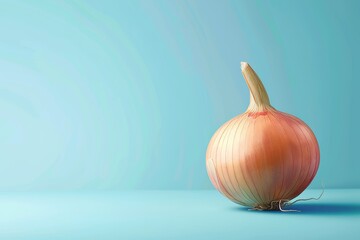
114	95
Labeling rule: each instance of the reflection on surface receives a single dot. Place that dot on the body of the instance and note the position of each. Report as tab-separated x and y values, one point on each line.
317	209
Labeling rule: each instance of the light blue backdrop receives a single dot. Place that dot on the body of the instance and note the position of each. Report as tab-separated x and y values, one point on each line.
98	95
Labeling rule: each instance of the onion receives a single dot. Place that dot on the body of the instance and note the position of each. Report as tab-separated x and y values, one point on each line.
262	158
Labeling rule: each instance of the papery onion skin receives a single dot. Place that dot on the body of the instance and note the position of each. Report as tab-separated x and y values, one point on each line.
263	155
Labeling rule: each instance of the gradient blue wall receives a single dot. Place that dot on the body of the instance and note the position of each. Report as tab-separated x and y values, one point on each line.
126	94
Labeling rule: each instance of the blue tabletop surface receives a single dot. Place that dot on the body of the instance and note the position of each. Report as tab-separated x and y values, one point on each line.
173	215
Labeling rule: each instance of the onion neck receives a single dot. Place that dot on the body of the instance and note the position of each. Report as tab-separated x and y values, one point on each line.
259	99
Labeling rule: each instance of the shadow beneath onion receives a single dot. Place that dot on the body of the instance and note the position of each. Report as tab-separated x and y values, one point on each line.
315	209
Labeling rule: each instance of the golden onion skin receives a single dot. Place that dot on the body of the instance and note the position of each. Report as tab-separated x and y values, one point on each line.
263	155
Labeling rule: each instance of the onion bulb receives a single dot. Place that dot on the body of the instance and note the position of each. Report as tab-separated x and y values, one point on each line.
262	158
